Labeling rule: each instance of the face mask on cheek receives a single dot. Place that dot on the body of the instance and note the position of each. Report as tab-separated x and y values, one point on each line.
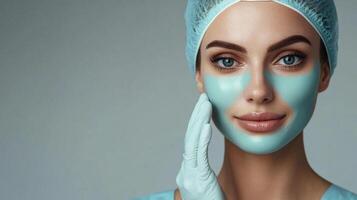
298	91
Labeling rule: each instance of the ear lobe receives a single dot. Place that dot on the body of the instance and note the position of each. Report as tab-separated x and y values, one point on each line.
199	82
325	77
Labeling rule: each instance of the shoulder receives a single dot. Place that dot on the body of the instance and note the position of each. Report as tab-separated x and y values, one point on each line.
163	195
335	192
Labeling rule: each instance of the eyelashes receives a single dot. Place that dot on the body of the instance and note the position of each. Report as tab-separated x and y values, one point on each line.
287	62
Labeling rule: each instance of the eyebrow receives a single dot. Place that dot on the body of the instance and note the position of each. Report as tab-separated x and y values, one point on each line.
285	42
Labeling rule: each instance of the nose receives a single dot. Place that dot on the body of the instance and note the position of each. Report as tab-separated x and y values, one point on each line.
259	91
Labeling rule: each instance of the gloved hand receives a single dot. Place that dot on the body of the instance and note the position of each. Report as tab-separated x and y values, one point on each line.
196	180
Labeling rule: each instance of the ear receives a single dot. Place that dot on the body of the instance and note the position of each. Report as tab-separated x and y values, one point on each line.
325	77
199	81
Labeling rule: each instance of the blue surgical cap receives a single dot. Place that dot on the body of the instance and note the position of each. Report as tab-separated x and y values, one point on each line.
321	14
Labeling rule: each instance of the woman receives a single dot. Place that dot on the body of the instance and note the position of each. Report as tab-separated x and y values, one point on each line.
259	66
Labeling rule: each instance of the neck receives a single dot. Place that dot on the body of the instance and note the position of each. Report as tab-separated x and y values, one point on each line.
283	174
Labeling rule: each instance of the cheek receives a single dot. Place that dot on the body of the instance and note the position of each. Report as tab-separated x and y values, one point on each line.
222	91
299	92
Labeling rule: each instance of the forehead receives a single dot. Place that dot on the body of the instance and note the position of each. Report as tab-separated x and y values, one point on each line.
259	23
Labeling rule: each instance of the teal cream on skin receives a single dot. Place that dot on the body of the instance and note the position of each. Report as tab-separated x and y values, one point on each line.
298	91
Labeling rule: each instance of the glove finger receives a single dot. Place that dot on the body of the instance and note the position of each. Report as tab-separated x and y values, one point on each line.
188	154
202	154
193	134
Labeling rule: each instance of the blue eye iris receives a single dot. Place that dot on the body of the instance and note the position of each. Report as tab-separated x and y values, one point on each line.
291	60
226	62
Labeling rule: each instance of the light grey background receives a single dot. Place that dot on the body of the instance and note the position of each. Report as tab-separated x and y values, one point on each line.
96	96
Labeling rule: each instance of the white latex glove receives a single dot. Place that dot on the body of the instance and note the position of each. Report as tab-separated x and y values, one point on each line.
196	180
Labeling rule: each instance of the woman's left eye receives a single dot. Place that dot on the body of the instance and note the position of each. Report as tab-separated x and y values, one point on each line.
291	60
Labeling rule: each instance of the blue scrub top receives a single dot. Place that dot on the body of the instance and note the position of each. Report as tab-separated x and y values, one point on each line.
334	192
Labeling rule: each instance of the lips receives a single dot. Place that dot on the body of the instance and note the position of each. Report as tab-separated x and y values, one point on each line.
263	116
263	122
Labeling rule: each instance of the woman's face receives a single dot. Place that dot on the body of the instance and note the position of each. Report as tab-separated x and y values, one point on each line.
261	57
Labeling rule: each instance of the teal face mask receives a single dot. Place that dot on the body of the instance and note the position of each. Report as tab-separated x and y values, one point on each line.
298	91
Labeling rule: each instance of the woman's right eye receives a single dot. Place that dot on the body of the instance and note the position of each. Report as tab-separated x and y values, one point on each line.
225	63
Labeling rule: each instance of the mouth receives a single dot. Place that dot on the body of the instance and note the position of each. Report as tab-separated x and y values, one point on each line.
264	122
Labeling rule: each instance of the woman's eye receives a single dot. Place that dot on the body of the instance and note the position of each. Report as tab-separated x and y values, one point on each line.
291	60
225	63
